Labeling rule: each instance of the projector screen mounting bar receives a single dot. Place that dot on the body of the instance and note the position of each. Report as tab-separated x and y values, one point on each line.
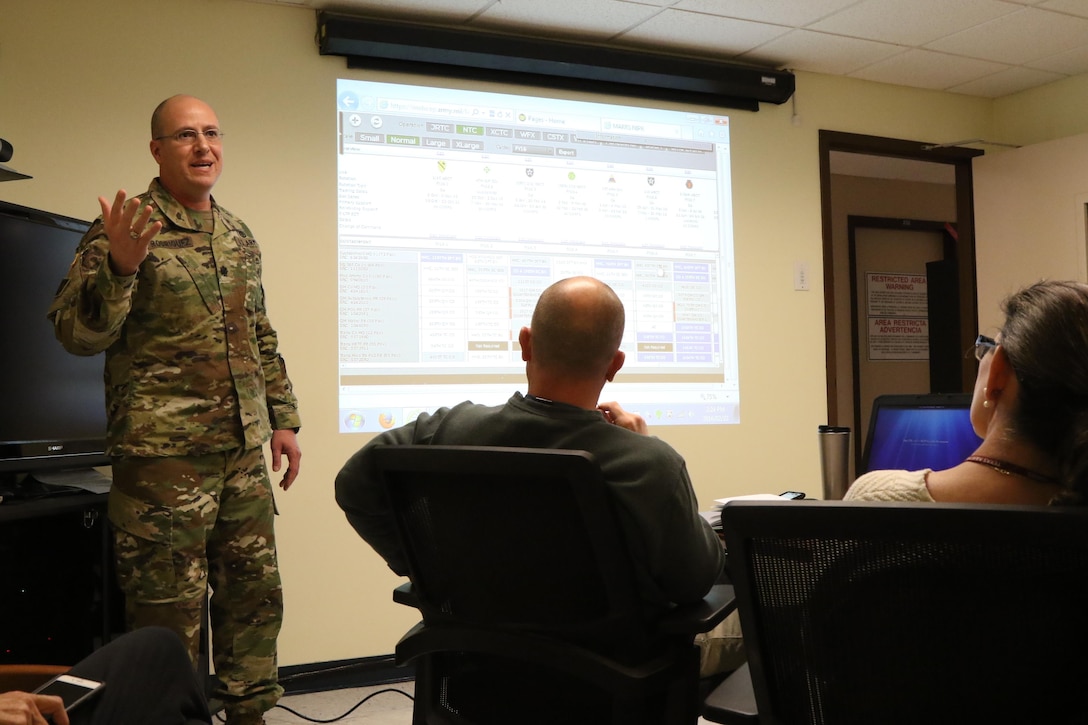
382	44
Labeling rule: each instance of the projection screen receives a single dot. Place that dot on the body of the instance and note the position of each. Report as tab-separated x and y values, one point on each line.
457	208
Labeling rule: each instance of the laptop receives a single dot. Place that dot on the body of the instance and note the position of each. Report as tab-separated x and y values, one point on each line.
912	432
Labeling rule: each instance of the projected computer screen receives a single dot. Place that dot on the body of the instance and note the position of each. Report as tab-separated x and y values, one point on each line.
457	208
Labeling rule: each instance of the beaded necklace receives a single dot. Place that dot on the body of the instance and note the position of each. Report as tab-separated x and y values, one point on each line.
1011	468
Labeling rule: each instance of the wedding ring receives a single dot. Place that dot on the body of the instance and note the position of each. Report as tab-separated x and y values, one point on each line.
133	233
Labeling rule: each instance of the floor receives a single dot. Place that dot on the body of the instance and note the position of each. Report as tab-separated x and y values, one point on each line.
386	706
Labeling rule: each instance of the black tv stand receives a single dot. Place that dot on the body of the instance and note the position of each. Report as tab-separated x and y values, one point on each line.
16	491
18	488
57	578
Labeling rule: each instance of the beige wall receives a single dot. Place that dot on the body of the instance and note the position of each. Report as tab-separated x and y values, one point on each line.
78	81
1030	210
1046	113
1030	202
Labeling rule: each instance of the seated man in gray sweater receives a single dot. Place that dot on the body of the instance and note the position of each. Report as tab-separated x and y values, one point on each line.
570	351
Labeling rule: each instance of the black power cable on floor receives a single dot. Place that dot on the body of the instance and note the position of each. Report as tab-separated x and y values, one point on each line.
354	707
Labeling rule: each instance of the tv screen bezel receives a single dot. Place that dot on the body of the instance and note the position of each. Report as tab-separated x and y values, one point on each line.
61	452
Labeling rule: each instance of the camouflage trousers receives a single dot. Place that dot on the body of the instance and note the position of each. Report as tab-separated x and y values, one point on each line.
185	524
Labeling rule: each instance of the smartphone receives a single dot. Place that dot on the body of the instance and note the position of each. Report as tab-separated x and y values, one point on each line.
71	689
792	495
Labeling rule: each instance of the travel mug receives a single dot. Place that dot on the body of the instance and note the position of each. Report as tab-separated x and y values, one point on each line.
834	460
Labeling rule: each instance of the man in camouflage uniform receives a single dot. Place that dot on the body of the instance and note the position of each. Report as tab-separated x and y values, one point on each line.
168	284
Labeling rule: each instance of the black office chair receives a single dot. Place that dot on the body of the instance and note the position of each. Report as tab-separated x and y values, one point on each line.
528	596
907	613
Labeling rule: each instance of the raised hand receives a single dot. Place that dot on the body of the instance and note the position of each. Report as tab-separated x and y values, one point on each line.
129	234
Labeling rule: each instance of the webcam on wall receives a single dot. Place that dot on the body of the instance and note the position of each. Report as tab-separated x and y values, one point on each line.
7	173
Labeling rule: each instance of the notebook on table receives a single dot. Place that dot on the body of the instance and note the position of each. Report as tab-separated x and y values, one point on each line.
912	432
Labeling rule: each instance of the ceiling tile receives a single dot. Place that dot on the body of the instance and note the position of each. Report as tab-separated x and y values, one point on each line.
1002	83
819	53
1073	7
791	13
699	33
926	69
599	19
911	23
1020	37
1071	62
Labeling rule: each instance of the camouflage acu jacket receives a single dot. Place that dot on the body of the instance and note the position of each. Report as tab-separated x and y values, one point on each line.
192	363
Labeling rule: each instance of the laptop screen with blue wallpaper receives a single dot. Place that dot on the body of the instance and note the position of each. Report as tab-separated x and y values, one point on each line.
912	432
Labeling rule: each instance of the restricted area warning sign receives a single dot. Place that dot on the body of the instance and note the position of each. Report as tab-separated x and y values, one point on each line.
897	310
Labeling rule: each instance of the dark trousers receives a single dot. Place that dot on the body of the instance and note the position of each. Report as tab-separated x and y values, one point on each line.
149	681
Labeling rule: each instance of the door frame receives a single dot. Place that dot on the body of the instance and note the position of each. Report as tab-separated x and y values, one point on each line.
957	156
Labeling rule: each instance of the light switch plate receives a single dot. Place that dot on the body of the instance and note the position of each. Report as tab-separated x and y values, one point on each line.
800	276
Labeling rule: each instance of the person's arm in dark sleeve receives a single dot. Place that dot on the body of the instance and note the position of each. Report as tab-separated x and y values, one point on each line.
360	494
691	556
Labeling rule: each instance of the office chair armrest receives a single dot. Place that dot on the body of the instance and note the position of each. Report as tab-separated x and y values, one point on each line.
734	700
405	595
27	677
701	616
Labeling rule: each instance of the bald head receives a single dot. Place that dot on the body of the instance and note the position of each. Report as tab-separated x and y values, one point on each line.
577	327
161	111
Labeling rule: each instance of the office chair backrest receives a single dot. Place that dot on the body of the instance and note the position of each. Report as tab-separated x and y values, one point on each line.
512	538
911	613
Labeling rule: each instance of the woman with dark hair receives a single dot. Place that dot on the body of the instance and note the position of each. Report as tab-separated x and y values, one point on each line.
1030	407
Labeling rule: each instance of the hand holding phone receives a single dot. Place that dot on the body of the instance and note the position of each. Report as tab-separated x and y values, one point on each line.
19	708
70	689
